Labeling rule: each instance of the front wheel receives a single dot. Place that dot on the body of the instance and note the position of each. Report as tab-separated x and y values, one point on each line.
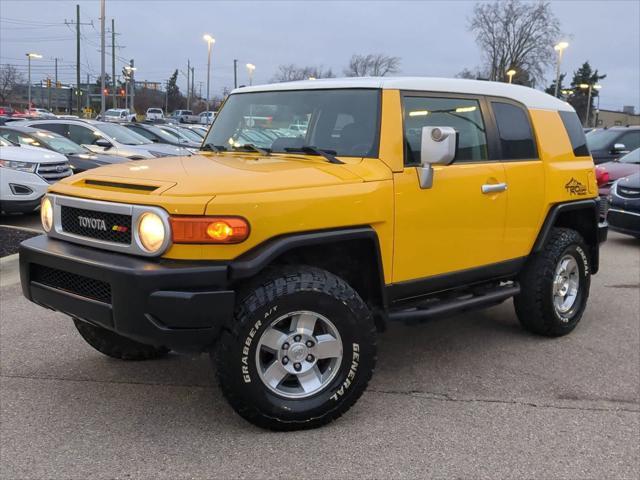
555	285
301	351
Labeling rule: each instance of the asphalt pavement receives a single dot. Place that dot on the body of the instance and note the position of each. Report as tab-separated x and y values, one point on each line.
472	396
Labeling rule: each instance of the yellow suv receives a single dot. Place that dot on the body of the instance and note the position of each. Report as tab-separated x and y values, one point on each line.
288	249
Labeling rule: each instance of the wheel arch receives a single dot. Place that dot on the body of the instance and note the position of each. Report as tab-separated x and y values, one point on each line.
351	253
581	216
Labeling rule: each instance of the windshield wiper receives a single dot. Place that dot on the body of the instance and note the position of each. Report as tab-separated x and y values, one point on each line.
213	148
252	147
328	154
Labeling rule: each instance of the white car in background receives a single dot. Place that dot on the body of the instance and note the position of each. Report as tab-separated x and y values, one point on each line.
119	115
207	118
25	175
153	114
39	113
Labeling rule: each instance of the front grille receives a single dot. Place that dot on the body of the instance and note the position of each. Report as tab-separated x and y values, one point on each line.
628	192
624	220
72	283
103	226
52	172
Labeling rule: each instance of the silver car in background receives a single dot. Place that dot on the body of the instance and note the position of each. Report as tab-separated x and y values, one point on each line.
109	138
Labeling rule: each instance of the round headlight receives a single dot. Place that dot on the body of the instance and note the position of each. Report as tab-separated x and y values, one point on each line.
46	214
151	231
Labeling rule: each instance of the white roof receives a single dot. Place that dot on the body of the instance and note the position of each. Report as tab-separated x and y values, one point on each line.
26	153
535	99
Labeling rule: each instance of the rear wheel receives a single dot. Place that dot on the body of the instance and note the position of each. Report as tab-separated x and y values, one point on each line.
301	351
116	346
555	285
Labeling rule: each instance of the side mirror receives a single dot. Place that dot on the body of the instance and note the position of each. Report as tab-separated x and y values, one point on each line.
438	147
104	143
620	148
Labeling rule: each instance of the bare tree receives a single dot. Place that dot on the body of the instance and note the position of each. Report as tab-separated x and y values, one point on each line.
372	65
516	35
292	72
10	77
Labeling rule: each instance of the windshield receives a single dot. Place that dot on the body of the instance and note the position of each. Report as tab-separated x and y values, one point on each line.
191	135
343	121
122	134
113	113
56	142
633	157
601	139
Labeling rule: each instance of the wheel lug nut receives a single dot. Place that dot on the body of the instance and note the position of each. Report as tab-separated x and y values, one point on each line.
309	358
310	343
285	346
297	338
297	366
285	360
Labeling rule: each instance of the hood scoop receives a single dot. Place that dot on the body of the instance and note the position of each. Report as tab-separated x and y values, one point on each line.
120	186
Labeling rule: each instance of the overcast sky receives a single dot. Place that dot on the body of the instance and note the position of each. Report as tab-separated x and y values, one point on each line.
431	37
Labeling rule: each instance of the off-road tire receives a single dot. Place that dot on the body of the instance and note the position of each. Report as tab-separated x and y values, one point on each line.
534	304
274	294
116	346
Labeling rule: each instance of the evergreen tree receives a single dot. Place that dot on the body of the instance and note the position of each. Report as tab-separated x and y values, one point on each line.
584	76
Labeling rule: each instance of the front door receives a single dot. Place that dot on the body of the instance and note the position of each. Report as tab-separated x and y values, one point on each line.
458	223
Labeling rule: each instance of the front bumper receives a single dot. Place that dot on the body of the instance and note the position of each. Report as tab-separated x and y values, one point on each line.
178	304
624	221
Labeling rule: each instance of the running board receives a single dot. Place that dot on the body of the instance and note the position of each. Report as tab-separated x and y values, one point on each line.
456	305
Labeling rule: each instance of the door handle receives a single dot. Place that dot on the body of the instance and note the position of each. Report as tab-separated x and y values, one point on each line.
494	187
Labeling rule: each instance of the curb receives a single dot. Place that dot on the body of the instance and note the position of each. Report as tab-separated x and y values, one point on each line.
9	270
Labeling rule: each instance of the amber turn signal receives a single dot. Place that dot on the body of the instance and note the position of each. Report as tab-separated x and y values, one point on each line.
209	229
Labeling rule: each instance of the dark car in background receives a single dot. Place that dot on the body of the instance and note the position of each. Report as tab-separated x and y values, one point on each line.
623	213
609	144
80	158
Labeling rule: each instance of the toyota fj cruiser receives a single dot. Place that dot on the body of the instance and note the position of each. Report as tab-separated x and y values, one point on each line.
288	250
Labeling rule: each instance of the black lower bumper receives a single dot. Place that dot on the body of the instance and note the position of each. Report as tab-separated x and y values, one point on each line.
20	206
624	221
178	304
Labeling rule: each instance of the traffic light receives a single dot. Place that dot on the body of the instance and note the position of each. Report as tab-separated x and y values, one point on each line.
122	92
48	83
106	91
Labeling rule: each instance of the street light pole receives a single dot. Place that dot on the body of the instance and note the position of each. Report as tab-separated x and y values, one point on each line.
559	48
210	41
103	99
511	73
250	68
29	57
589	86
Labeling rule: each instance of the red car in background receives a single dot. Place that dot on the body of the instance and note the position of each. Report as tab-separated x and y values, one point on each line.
607	173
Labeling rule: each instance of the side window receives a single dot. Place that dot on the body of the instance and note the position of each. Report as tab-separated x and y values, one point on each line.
59	128
145	133
82	135
460	113
575	132
514	129
631	140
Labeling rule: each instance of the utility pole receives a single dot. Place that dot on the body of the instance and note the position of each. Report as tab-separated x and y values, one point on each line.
88	93
77	24
235	73
113	63
193	92
188	83
102	58
56	79
78	58
133	86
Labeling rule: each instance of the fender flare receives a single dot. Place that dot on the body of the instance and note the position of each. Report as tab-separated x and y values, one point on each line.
258	258
556	210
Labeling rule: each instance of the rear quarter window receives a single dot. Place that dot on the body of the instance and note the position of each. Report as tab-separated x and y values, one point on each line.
514	131
576	134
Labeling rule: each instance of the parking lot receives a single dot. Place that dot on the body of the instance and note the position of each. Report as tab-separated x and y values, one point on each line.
468	396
